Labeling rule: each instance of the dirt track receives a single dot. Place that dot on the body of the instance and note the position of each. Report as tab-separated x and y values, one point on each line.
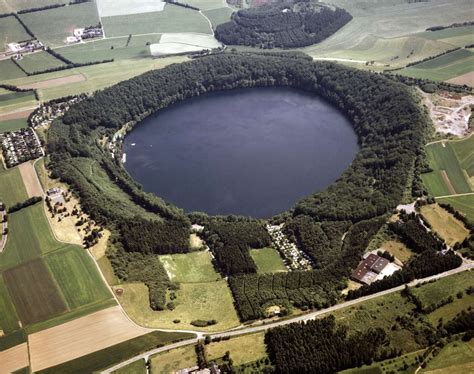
448	182
30	179
56	82
14	359
80	337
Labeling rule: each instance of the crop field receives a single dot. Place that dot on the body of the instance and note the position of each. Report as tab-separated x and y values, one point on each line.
7	6
12	189
109	8
116	48
8	70
442	160
11	31
15	100
194	301
30	236
96	76
157	22
12	125
76	276
455	357
463	150
458	36
33	292
208	4
119	352
243	349
174	360
464	204
190	267
14	359
449	228
39	61
8	316
268	260
218	16
52	26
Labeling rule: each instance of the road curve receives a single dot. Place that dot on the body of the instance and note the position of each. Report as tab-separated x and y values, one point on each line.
309	316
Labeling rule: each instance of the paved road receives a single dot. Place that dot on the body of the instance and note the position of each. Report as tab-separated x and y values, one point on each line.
467	265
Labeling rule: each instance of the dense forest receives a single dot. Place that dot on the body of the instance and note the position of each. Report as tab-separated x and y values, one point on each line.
285	24
321	346
385	116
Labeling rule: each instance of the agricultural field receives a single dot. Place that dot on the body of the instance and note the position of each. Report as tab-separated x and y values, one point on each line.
448	176
13	124
8	316
268	260
39	61
157	22
15	360
74	271
14	101
109	8
449	228
117	48
194	301
52	26
464	204
174	360
443	68
243	349
11	31
455	357
33	292
137	367
7	6
12	189
190	267
8	70
463	150
458	36
218	16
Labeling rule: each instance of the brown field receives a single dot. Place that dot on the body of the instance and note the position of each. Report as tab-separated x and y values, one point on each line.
467	79
23	113
56	82
13	359
80	337
34	292
399	250
448	182
30	179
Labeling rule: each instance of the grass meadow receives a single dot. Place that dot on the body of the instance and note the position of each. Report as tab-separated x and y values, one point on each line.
11	31
268	260
174	360
218	16
13	124
243	349
455	357
443	158
398	249
74	271
52	26
190	267
12	189
34	292
137	367
157	22
8	316
8	70
39	61
15	5
449	228
205	301
464	204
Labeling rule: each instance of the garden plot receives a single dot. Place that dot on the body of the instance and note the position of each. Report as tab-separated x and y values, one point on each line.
174	43
108	8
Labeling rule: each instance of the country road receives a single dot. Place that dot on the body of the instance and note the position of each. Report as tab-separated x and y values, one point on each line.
467	265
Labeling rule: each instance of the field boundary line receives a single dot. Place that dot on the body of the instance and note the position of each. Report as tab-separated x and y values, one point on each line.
455	195
450	140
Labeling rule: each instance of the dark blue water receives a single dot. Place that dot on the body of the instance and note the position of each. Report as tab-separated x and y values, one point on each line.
252	152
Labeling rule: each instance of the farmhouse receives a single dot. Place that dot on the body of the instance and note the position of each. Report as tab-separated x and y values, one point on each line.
372	268
20	146
87	33
23	47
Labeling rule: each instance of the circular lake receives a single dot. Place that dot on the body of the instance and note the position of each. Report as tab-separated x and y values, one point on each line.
252	152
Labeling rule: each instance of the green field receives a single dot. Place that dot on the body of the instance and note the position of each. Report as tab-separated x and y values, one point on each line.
174	360
39	61
450	229
12	189
464	204
8	70
52	26
205	301
13	124
465	154
8	316
33	292
157	22
16	100
29	237
137	367
7	6
190	267
459	36
243	349
268	260
110	48
444	159
11	31
455	357
117	353
74	271
218	16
